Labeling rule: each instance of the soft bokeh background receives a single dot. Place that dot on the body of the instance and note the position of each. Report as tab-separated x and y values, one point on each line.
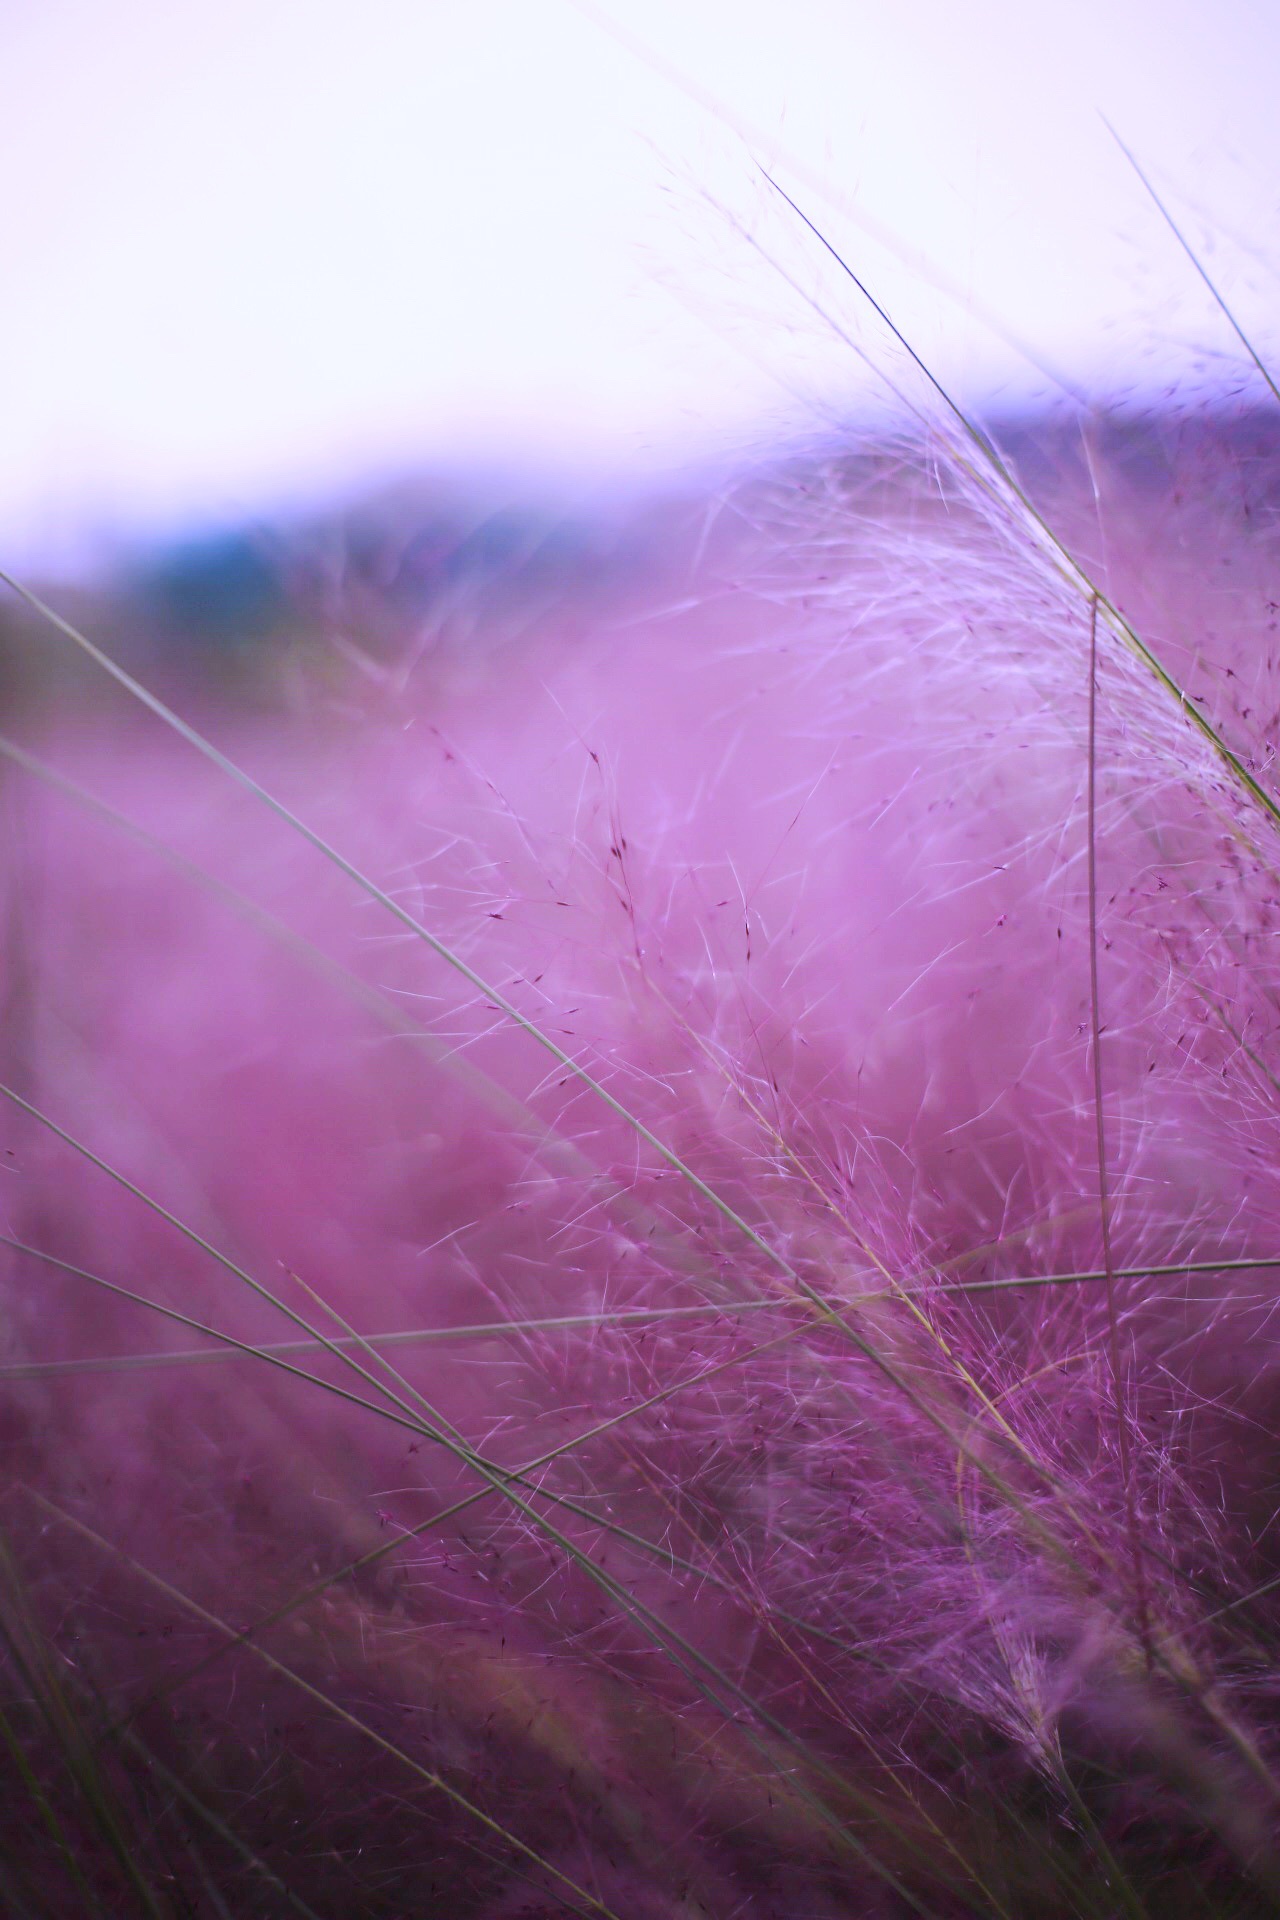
261	251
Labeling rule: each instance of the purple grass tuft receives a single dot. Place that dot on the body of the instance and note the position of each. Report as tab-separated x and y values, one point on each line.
580	1370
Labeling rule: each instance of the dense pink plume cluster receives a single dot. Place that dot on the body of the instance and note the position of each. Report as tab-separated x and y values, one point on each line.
780	1497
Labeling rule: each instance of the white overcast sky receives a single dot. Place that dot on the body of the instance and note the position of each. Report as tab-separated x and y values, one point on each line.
263	247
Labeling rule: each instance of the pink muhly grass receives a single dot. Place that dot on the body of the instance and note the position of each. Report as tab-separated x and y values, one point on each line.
579	1358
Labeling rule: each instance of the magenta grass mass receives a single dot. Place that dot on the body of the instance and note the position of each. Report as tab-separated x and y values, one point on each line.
574	1361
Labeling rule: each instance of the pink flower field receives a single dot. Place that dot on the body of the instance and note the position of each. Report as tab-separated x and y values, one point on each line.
641	1210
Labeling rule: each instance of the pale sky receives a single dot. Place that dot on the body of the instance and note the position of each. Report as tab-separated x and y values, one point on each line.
262	249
